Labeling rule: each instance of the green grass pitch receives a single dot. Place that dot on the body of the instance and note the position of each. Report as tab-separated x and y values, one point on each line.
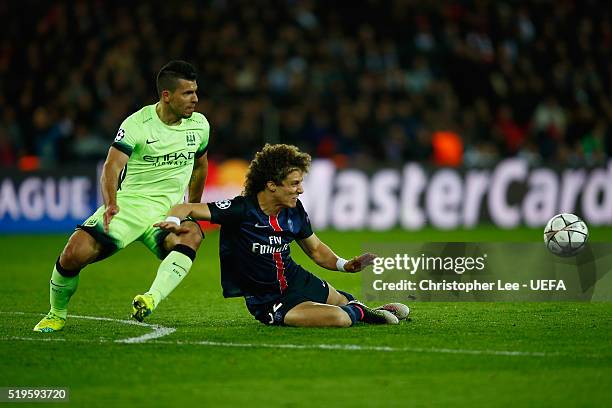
450	354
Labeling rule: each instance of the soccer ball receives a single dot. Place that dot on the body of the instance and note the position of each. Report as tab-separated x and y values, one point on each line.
565	235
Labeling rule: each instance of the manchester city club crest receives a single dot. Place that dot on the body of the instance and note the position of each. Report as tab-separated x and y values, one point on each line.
191	139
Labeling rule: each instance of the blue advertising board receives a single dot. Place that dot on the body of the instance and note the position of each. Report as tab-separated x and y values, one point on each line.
49	201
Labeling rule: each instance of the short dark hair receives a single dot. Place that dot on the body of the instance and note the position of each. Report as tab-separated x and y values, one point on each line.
274	163
169	74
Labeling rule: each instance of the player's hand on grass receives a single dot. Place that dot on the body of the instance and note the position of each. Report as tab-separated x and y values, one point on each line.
109	213
359	262
171	227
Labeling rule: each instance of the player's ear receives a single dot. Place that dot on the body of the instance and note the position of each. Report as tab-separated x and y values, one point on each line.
165	95
271	186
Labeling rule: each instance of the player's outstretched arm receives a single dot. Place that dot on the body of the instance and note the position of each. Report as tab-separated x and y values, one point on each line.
199	211
326	258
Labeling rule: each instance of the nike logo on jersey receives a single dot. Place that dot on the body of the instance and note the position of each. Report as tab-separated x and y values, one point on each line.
261	226
152	141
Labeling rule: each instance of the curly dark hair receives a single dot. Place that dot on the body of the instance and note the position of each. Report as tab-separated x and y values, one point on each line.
274	163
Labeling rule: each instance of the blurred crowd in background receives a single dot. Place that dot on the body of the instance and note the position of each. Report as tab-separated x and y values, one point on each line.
364	83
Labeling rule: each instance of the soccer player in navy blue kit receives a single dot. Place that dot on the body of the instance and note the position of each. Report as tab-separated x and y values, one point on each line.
256	231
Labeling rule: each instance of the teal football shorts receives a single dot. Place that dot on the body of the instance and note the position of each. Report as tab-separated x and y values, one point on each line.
133	222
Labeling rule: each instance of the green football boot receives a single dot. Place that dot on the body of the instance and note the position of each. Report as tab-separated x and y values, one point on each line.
142	306
50	323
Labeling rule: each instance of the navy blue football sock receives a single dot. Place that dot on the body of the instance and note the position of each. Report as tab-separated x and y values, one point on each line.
354	312
347	295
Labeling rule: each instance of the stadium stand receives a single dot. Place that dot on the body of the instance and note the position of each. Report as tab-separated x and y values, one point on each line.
360	82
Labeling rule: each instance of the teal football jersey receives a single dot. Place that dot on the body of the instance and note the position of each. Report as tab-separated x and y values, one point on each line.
161	156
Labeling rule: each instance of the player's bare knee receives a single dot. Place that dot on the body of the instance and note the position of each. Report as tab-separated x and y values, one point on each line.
71	258
193	238
342	319
339	318
196	237
336	298
80	250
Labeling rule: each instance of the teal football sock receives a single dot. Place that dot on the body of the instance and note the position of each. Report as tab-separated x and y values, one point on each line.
61	289
170	273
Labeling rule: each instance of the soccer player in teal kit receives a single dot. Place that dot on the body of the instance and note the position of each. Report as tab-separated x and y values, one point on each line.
159	152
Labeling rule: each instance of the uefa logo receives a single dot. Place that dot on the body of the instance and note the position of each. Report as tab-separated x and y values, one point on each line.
223	204
120	135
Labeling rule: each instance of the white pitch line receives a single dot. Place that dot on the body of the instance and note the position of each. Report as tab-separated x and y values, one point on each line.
341	347
160	331
356	347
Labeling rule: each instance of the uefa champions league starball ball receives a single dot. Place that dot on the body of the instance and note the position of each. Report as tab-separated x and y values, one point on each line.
566	235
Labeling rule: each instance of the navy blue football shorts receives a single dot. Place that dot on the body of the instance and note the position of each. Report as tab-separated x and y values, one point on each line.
303	288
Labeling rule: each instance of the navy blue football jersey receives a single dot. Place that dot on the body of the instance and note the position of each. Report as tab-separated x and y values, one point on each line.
254	248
